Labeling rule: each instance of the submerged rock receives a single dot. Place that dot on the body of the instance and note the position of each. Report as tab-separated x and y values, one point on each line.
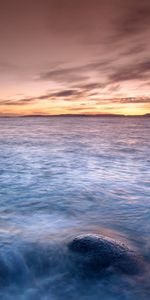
96	253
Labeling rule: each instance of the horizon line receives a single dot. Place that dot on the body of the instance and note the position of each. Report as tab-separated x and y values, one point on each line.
72	115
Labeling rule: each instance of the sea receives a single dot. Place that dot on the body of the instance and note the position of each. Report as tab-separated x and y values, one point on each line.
61	177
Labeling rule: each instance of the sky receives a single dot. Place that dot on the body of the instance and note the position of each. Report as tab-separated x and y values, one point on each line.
74	57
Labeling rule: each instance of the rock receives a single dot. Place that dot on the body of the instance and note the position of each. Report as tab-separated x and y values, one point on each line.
95	253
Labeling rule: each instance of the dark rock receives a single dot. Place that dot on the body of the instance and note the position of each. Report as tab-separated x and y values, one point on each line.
95	253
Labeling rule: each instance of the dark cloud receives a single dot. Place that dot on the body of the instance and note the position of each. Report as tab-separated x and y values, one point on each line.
75	74
64	75
113	87
134	100
139	71
65	93
135	19
90	86
50	96
134	50
126	100
21	102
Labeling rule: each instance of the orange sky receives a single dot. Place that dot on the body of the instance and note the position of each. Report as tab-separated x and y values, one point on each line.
78	56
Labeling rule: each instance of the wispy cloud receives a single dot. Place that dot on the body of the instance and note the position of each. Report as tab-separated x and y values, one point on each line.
138	71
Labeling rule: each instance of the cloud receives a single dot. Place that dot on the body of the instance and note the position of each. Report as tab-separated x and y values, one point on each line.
134	100
64	75
91	50
113	87
58	94
139	71
83	94
50	96
77	73
137	49
126	100
20	102
90	86
135	19
65	93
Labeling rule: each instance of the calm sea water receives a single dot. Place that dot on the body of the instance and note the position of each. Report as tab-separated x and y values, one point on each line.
60	177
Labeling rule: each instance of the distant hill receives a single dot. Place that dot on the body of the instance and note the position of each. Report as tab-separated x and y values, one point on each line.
85	115
75	115
147	115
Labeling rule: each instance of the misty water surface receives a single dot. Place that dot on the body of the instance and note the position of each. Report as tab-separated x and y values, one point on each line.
60	177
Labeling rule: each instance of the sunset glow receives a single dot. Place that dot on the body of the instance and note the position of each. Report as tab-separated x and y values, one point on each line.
78	57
